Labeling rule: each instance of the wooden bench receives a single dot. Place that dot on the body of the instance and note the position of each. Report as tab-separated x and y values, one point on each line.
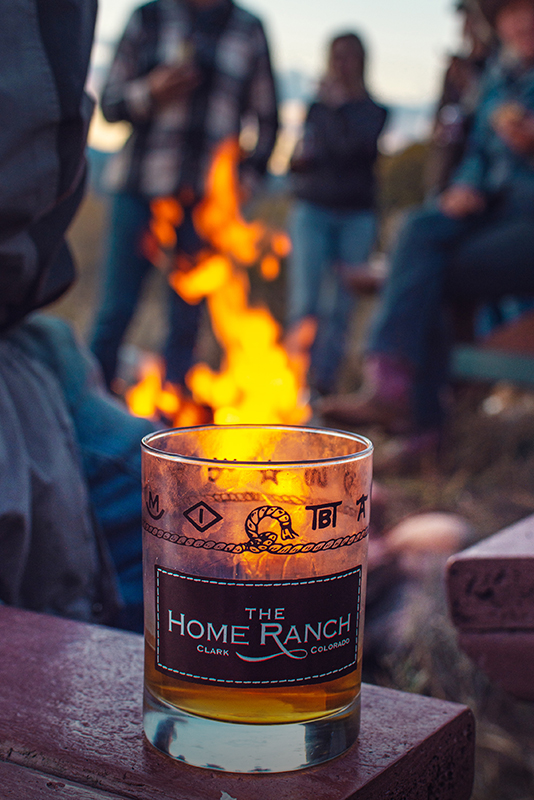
506	354
70	728
491	599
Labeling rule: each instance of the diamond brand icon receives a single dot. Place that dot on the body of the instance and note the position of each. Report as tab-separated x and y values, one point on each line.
202	516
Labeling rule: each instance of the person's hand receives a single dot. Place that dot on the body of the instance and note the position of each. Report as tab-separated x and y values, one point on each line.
461	201
514	124
169	84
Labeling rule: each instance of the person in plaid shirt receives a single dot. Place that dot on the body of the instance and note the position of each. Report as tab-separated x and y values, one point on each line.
186	75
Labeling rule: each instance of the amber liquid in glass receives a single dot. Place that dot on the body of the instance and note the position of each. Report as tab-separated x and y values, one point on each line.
267	706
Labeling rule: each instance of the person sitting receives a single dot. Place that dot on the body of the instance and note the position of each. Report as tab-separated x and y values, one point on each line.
474	240
70	462
459	98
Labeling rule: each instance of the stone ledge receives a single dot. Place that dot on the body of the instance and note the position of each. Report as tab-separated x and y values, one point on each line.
70	723
491	600
506	657
491	585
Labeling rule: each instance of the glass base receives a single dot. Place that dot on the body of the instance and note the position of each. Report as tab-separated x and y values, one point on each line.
235	747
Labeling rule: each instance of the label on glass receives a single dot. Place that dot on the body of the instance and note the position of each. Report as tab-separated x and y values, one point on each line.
257	633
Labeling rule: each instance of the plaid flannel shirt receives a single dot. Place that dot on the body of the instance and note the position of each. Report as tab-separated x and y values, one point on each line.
172	147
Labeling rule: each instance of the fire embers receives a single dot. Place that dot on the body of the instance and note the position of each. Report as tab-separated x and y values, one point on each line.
258	381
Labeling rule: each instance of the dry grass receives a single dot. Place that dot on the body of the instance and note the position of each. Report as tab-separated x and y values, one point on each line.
486	474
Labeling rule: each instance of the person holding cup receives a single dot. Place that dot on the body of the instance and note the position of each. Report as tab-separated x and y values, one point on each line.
474	242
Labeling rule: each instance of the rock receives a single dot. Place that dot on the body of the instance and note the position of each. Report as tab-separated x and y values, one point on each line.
433	532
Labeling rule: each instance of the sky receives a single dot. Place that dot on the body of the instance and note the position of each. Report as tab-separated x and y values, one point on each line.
408	41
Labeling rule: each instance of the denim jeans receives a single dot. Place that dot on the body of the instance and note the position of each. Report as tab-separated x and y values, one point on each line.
480	257
125	271
108	438
326	242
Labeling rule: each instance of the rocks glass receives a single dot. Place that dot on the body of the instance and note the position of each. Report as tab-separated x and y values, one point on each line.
254	551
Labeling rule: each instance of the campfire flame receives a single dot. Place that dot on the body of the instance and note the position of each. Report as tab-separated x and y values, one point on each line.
259	381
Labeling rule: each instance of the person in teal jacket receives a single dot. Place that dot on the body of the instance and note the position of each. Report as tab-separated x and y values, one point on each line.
475	241
70	459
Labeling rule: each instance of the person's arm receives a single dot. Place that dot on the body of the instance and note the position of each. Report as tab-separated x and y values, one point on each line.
303	155
262	104
466	194
472	169
514	125
134	88
126	94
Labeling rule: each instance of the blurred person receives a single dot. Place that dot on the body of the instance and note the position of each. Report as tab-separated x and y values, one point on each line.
185	75
475	240
459	97
70	466
334	221
454	117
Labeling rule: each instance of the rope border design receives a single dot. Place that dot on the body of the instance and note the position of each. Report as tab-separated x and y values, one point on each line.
242	547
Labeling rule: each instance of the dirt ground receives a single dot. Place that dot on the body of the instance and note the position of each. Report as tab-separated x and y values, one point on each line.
485	474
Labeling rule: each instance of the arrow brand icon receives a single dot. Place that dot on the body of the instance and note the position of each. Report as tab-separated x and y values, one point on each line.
202	517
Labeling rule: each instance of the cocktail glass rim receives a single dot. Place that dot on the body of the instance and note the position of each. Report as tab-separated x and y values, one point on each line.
147	444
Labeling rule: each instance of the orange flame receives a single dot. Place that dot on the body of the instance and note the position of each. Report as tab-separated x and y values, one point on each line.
152	397
259	381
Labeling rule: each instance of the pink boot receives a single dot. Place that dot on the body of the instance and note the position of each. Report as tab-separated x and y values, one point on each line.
385	397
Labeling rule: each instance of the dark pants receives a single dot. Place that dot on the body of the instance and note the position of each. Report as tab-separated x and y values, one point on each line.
125	271
438	259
